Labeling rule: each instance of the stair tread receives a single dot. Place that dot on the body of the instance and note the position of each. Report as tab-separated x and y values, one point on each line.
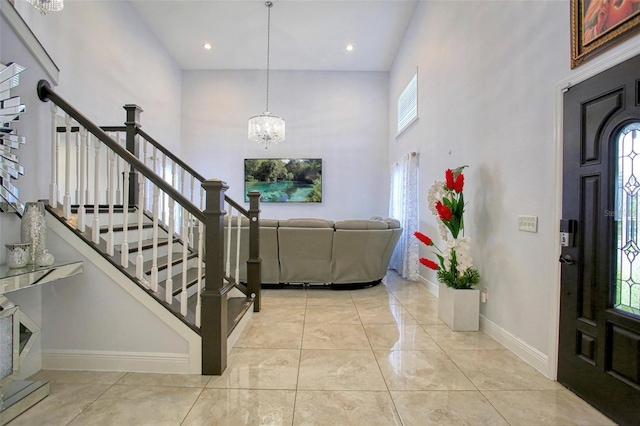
236	306
120	228
162	261
192	279
147	244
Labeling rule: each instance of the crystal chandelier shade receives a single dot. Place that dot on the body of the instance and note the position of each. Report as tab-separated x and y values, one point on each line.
45	6
267	129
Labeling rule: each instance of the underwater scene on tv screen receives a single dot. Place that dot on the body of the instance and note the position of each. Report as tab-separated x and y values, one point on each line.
284	180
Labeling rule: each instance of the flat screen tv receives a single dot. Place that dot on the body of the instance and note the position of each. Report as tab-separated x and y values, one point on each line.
284	180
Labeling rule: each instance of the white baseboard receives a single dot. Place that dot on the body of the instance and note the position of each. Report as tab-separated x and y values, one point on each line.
144	362
532	356
433	288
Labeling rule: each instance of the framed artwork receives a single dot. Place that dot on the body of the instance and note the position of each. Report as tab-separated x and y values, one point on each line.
284	180
598	24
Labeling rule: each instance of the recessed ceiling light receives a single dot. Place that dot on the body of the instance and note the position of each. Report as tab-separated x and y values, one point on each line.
207	46
349	47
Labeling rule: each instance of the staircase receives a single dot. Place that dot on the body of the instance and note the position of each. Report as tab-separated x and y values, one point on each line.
155	220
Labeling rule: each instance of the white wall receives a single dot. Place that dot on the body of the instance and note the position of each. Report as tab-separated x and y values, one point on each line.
107	58
341	117
487	72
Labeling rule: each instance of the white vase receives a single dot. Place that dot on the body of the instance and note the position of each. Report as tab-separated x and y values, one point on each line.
459	309
33	229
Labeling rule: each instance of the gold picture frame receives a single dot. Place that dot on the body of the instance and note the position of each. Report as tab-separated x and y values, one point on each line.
597	25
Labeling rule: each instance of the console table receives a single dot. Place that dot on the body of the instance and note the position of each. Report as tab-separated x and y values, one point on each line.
18	333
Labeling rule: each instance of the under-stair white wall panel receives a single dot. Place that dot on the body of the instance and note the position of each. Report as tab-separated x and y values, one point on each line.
91	321
341	117
486	77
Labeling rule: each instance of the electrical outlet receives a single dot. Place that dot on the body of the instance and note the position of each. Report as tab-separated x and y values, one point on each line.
484	295
528	223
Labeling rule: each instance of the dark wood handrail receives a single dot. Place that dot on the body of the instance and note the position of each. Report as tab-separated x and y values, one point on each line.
170	154
187	168
45	93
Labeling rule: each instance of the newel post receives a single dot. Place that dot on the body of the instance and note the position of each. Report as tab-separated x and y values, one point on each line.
132	124
213	328
254	263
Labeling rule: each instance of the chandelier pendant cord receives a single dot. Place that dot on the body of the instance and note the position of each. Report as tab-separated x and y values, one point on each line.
269	4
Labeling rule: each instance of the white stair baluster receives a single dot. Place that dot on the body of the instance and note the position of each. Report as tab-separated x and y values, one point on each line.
148	196
96	190
66	201
191	189
185	231
239	216
76	195
169	281
110	192
227	266
141	203
119	167
83	183
154	248
192	243
124	247
53	186
164	195
87	195
200	262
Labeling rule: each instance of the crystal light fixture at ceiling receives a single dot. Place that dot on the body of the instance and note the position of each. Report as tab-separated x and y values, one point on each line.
45	6
266	128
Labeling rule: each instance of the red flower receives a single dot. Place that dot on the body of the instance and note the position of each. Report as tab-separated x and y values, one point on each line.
459	183
429	263
423	238
449	177
443	211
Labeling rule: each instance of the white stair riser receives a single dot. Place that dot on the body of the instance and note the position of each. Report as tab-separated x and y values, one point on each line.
175	270
132	235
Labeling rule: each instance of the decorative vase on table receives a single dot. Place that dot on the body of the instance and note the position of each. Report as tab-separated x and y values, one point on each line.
33	229
458	301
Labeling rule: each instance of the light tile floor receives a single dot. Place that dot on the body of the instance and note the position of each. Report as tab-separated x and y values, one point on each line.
376	356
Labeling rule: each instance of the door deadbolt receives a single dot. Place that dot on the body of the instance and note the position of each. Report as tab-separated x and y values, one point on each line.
566	260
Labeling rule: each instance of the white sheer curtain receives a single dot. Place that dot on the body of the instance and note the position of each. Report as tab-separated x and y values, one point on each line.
404	207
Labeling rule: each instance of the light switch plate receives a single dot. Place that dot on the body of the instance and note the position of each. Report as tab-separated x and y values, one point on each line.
528	223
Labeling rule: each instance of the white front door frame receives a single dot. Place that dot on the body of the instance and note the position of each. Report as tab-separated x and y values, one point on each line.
582	74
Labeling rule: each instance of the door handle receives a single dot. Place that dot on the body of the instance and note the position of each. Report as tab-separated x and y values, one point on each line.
566	259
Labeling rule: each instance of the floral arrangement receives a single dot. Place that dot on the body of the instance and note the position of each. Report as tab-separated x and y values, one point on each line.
446	202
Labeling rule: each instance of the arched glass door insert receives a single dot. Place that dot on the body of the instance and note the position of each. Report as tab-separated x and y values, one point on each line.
627	221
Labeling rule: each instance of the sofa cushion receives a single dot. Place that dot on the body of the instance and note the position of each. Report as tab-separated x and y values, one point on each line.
393	223
306	223
269	223
361	224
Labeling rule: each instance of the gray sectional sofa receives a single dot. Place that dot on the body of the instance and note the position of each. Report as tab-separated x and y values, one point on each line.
343	254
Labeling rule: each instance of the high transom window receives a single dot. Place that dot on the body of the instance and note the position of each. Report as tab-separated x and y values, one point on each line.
408	104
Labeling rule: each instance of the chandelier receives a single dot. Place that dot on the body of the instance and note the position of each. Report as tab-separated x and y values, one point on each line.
45	6
266	129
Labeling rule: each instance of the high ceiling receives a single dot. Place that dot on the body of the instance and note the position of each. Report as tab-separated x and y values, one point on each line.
305	35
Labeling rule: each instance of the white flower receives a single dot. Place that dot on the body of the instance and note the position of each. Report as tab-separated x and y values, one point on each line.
436	192
460	247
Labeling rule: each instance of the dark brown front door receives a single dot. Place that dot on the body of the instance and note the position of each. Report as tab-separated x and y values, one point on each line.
599	347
